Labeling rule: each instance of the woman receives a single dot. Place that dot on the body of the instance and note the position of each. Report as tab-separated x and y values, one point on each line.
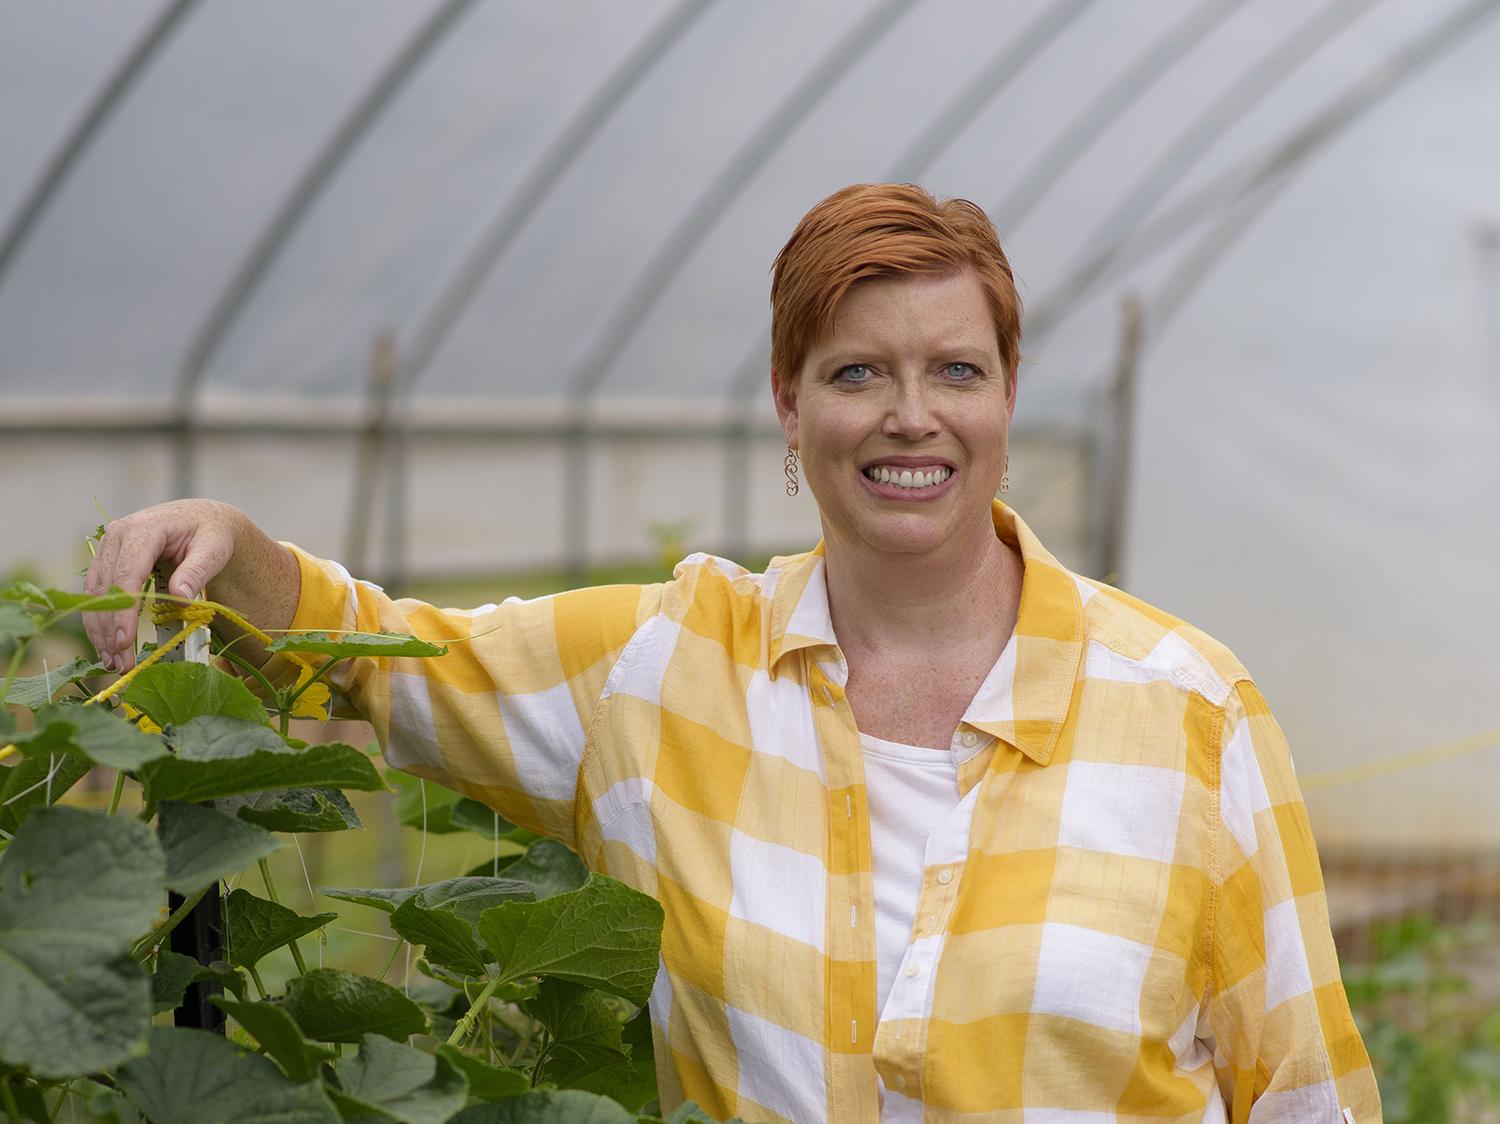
942	831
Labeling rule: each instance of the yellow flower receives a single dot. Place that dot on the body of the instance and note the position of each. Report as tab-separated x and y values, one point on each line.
142	721
313	702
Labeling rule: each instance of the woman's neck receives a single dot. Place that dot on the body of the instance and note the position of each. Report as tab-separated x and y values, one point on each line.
963	597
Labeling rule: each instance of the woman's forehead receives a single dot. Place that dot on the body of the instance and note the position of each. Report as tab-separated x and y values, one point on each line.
913	310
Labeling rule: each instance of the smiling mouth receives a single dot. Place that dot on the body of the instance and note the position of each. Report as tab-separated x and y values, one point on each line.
906	478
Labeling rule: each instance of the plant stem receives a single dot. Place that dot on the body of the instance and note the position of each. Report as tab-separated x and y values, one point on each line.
143	947
265	874
67	1089
322	671
114	798
10	672
395	951
246	666
523	1045
466	1024
260	986
11	1108
541	1057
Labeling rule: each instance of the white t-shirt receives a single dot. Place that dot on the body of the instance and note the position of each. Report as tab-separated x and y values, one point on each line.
910	790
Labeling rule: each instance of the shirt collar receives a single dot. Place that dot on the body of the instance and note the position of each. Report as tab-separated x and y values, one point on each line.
1025	698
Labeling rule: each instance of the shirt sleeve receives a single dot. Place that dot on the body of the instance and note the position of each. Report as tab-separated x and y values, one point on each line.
1285	1044
503	716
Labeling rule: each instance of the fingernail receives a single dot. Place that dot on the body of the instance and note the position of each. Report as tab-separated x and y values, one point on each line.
120	637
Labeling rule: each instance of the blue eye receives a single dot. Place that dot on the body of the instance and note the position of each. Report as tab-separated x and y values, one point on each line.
960	370
854	372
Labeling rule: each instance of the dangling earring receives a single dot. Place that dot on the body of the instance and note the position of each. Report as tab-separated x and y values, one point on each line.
791	471
1005	475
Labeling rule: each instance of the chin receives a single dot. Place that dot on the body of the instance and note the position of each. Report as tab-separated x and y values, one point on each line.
903	535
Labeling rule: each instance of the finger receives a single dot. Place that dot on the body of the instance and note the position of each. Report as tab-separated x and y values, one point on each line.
208	552
138	552
100	626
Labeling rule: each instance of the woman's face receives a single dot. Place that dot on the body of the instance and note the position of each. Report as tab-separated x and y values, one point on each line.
909	381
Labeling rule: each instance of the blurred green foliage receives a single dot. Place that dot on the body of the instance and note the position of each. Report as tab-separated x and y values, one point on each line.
1432	1034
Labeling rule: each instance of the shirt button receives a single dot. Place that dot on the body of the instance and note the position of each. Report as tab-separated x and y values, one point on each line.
970	738
945	876
911	969
900	1081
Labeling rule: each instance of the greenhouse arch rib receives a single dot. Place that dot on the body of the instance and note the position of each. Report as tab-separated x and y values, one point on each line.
285	220
113	92
497	237
1183	153
1277	170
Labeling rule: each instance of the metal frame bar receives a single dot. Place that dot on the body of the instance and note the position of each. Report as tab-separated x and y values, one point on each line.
651	282
1079	134
498	236
1184	151
134	64
1281	167
501	231
1004	65
289	214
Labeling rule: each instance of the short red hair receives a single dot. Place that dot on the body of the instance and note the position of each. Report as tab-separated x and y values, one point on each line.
882	230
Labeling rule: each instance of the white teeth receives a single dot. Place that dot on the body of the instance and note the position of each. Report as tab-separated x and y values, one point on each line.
906	478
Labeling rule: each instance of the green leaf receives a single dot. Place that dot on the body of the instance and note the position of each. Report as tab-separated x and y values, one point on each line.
400	1083
548	868
355	644
100	735
177	692
219	757
604	935
279	1035
410	801
294	809
169	983
15	622
467	894
255	927
226	975
486	1082
631	1080
31	691
29	777
336	1006
75	887
109	1106
585	1032
481	819
567	1106
28	593
688	1112
449	939
203	845
193	1077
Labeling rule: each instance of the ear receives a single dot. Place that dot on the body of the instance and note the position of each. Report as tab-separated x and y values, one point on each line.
1010	398
784	393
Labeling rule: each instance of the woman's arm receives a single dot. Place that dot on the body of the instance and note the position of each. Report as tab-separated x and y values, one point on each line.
1284	1041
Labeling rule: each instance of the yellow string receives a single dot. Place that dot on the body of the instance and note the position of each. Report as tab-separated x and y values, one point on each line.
1401	762
193	615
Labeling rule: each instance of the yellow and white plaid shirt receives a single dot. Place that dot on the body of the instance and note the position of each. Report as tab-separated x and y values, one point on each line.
1122	920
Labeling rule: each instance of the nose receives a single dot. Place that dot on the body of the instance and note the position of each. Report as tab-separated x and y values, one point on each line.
909	412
